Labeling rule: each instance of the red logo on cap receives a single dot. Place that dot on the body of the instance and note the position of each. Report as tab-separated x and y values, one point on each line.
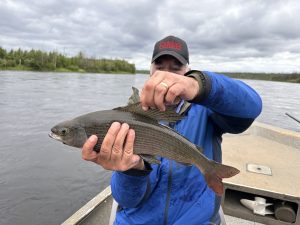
170	44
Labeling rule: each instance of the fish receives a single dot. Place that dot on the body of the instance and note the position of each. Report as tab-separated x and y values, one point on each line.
152	138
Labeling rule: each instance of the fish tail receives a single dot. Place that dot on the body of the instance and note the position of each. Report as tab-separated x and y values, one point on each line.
215	175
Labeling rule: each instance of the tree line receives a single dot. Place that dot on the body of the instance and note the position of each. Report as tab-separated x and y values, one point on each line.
38	60
283	77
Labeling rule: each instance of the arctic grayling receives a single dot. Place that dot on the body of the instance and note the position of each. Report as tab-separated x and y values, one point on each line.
151	139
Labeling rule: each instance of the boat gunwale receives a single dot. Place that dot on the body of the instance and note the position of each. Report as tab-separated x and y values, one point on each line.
88	208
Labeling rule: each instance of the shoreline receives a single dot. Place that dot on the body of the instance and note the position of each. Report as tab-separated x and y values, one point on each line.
277	77
63	70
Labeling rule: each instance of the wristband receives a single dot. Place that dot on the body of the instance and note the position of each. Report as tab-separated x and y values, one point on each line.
204	85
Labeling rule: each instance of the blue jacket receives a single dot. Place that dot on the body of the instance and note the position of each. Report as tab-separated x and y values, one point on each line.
172	193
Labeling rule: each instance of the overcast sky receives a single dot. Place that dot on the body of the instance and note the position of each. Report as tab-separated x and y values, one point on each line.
222	35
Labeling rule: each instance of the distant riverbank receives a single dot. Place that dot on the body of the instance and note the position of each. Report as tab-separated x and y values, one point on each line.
39	61
66	70
36	60
282	77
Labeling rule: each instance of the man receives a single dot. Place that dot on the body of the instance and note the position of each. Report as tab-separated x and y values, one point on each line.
172	193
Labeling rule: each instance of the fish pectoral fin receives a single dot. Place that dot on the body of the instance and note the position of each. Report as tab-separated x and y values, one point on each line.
150	159
135	97
185	164
169	115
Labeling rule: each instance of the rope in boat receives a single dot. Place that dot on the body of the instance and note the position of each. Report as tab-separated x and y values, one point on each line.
292	117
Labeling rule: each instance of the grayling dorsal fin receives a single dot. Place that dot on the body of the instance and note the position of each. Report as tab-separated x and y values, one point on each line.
169	115
135	107
186	105
135	97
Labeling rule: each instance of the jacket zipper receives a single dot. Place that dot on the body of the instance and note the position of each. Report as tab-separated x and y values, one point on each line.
168	193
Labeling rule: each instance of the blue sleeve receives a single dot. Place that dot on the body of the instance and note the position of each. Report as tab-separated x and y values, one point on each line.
128	190
232	97
131	188
233	104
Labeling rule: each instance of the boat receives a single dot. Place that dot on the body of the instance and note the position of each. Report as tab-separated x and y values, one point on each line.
267	190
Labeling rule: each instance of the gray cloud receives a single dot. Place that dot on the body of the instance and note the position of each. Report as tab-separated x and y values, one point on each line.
222	35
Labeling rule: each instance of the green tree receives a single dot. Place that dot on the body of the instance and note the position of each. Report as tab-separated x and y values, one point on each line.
2	53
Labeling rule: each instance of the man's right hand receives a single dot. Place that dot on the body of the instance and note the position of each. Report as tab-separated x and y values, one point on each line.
165	87
116	152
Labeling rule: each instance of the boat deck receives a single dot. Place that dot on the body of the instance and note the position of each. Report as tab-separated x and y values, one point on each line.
276	152
274	156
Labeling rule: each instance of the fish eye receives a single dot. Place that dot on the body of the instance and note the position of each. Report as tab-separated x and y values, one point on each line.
64	131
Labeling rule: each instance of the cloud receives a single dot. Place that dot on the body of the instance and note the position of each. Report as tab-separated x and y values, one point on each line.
222	35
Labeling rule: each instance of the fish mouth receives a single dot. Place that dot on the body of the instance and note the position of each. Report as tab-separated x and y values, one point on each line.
55	137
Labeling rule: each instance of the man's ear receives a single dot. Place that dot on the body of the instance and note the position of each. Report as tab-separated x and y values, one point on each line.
151	69
187	68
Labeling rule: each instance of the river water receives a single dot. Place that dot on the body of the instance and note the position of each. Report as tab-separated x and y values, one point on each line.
43	181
